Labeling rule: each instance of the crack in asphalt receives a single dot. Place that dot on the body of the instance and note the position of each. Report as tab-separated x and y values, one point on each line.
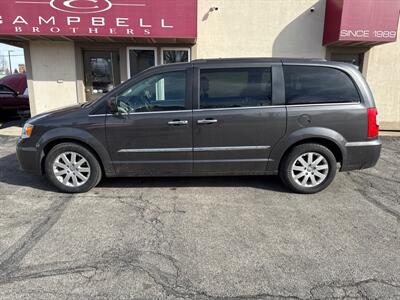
131	261
14	254
363	186
171	283
353	290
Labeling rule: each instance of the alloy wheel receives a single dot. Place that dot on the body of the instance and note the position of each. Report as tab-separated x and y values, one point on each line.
310	169
71	169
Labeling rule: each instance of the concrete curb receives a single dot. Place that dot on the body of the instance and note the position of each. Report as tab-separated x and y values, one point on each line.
390	133
10	131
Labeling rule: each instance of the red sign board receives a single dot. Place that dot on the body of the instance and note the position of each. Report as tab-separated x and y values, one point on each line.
119	18
373	21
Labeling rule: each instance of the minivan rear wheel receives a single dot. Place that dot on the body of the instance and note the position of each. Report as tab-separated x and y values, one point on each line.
72	168
308	168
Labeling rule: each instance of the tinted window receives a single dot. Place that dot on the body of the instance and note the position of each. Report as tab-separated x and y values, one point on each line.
223	88
306	85
162	92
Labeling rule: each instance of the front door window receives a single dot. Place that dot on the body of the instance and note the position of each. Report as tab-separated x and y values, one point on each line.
161	92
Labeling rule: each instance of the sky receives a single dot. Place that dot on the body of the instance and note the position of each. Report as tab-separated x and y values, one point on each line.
17	57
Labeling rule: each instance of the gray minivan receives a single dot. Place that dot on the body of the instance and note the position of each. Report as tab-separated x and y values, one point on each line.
301	119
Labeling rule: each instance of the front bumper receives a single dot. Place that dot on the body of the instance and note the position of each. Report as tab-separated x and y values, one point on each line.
361	155
28	157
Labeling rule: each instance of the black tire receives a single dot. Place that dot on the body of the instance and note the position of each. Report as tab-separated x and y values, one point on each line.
285	171
95	170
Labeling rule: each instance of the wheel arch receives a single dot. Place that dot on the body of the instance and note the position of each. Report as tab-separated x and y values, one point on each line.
80	137
56	142
332	146
329	138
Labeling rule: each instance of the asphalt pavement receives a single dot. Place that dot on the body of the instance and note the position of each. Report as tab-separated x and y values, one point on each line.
201	238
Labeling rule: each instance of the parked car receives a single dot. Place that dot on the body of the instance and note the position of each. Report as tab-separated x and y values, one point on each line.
301	119
14	99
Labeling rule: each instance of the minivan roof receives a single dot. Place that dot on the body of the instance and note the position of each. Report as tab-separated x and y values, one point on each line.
258	59
255	60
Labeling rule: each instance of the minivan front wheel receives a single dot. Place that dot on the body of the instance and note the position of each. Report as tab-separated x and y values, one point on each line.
308	168
72	168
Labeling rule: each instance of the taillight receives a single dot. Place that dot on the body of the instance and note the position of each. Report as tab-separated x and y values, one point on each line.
373	123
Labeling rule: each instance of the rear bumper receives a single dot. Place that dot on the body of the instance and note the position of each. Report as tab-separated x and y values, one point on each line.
28	158
361	155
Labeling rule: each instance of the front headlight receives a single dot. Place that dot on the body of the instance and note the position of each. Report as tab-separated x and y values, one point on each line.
27	131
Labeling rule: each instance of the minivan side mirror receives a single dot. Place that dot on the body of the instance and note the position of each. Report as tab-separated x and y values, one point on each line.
112	104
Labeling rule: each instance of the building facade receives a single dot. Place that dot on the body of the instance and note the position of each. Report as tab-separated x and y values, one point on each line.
77	50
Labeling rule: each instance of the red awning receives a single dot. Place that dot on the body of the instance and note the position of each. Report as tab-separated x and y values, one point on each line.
361	22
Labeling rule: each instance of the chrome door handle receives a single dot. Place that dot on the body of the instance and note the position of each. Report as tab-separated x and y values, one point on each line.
178	122
207	121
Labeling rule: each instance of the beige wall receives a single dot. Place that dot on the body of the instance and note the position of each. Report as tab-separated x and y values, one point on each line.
383	76
52	81
260	28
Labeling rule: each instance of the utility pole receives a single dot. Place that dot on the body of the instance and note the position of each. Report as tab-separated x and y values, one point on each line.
3	63
9	60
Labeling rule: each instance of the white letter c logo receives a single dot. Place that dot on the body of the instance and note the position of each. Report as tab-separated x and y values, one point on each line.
79	7
68	3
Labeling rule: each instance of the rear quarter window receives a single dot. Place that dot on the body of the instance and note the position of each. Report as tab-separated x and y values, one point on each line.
314	85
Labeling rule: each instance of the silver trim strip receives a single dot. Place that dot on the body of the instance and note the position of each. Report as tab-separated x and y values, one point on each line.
324	104
180	122
145	113
189	161
363	144
207	121
237	148
155	150
100	115
236	108
231	160
160	112
197	149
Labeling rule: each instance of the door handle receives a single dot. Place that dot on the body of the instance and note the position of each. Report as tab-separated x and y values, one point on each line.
178	122
207	121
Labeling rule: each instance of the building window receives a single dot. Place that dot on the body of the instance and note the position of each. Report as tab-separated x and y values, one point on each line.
175	55
140	59
242	87
313	85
